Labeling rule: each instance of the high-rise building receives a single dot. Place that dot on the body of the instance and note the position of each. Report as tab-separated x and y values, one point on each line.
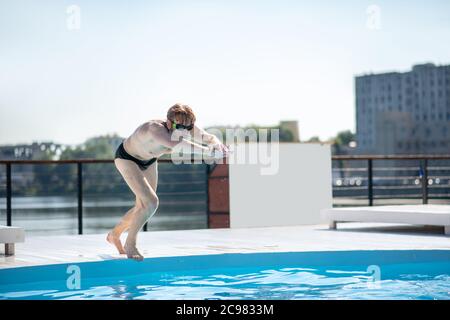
404	112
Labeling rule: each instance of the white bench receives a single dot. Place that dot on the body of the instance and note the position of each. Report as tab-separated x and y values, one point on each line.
433	215
10	236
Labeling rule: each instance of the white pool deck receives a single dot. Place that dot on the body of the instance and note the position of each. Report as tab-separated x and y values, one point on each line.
349	236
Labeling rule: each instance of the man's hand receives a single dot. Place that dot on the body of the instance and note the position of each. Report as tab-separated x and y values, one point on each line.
219	150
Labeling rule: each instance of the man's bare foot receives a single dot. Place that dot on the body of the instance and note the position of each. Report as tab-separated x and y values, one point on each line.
133	253
115	240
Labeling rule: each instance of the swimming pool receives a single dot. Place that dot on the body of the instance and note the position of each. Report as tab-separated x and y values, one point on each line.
396	274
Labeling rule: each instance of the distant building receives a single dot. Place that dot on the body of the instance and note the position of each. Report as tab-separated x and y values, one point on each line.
34	151
404	113
23	175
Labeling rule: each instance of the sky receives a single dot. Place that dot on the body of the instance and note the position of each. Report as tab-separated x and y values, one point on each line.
65	79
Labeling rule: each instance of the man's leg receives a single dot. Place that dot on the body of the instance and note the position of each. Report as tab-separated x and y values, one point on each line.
144	210
146	203
151	174
114	236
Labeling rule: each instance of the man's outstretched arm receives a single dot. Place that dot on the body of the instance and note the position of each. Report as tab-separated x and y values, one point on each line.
181	144
201	136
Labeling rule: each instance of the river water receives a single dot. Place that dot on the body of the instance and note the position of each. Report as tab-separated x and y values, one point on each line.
59	215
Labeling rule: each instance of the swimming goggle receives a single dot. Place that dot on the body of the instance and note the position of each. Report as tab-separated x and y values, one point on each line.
181	126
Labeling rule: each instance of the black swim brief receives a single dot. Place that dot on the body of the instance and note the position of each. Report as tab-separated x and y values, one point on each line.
122	154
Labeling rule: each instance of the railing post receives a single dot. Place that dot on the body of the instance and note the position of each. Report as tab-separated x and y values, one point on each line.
80	197
370	181
8	195
425	181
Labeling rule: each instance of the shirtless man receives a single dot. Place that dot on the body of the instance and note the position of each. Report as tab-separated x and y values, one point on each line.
136	160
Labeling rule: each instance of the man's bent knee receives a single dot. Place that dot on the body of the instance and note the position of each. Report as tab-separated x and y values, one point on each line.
149	203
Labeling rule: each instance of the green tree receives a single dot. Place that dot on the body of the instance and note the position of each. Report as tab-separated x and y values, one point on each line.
62	178
93	148
343	138
314	139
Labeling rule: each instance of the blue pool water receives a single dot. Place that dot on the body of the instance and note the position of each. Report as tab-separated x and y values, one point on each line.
420	274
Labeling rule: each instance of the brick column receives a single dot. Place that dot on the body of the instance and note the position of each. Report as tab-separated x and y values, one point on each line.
219	197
